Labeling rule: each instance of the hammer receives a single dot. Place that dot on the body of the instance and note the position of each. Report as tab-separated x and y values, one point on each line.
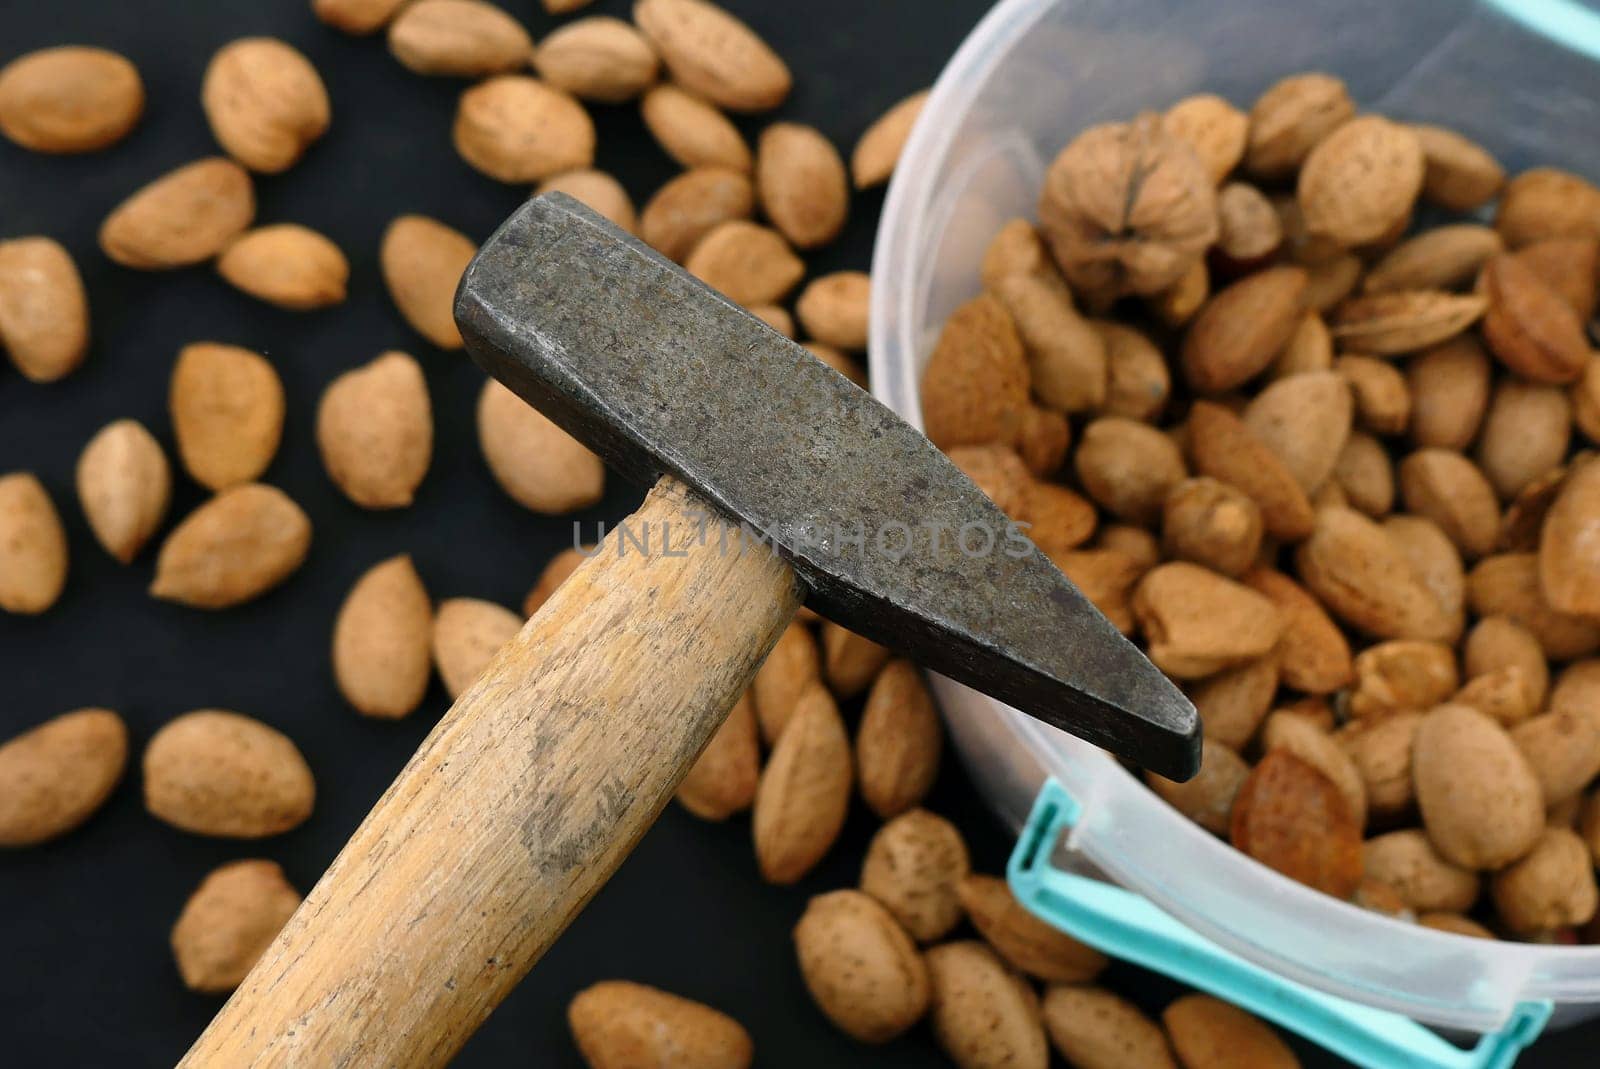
775	481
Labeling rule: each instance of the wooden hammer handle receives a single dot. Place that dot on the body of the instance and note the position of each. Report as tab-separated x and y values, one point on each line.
518	806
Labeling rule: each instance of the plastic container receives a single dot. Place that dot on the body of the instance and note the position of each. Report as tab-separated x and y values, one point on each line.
1524	81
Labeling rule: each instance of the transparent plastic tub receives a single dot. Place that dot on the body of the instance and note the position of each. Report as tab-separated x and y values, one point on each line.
1525	81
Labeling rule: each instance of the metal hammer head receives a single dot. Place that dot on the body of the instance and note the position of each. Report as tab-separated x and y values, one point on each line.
660	374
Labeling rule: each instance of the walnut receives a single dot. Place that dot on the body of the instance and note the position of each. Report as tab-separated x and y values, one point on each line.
1128	208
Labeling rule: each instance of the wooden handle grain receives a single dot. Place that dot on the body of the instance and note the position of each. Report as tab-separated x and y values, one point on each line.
518	806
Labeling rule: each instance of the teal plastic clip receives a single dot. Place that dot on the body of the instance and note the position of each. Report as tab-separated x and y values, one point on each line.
1128	926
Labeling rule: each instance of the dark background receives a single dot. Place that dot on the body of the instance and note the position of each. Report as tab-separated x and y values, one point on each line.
86	976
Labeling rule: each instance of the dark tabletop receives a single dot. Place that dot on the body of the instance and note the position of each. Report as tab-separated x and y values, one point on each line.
86	976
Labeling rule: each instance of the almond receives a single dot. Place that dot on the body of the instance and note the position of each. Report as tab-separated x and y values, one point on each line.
1177	304
1434	562
1198	622
375	431
44	314
381	641
802	184
1240	330
850	661
1094	1029
1330	282
791	669
422	261
1226	449
746	262
33	546
458	38
555	573
124	485
1498	643
1528	326
1291	817
227	413
1313	655
833	309
228	923
356	16
1438	259
1214	128
690	206
1569	548
1448	489
723	779
1570	267
1212	524
1402	675
1381	752
1355	570
861	969
1303	737
1128	467
597	190
1458	174
212	772
778	318
1547	202
1563	749
984	1014
233	548
1066	354
288	265
1449	387
1365	475
975	388
184	217
597	58
1290	118
618	1024
1107	578
693	132
53	777
265	102
1552	888
1208	1033
1479	798
804	794
1508	585
541	466
1137	381
713	54
1407	862
912	867
1525	434
1305	420
898	742
880	145
1208	798
1023	940
69	99
467	633
1392	323
1382	398
1359	183
517	129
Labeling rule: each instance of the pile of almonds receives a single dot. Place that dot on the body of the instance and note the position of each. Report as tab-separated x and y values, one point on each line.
1303	399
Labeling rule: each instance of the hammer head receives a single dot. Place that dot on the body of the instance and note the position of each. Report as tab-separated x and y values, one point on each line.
659	374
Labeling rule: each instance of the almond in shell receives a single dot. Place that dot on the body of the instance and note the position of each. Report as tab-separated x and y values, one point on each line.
804	794
517	129
983	1013
1027	943
288	265
422	261
467	633
44	314
1240	330
229	922
1350	564
596	190
1449	386
69	99
53	777
723	779
713	54
382	639
748	263
1226	449
458	38
878	150
1458	173
1438	259
213	772
184	217
1305	420
1359	183
234	548
33	546
618	1024
1547	202
1095	1029
1290	817
1569	546
692	131
833	309
1208	1033
801	183
227	413
597	58
1480	801
862	970
356	16
693	204
541	466
1289	120
899	741
1208	798
124	484
375	431
265	102
913	865
1529	326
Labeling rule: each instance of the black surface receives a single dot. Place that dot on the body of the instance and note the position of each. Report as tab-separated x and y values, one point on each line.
86	977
